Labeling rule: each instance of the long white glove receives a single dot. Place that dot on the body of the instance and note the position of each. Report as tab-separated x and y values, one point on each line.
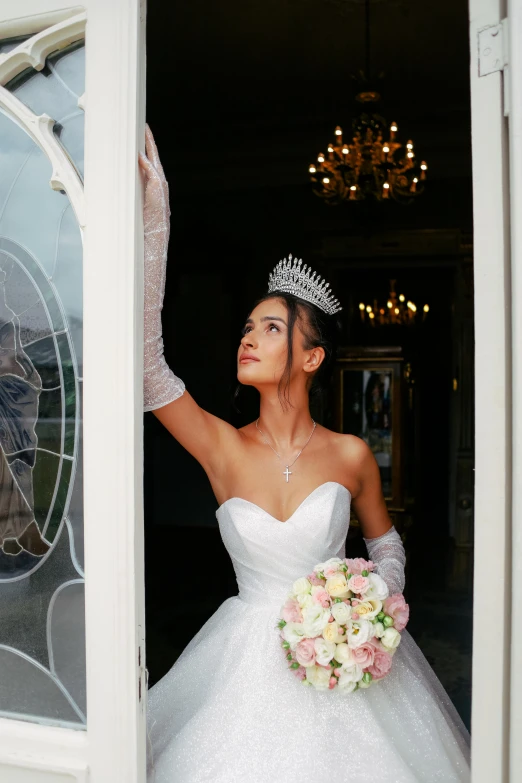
160	385
387	552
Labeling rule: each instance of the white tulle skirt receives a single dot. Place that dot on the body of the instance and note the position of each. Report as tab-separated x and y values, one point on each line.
229	711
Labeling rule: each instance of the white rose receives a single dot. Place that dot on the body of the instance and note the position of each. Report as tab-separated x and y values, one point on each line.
318	677
324	651
304	599
378	630
333	561
315	618
359	632
378	588
352	670
350	677
337	587
302	585
341	613
293	633
391	639
343	654
346	685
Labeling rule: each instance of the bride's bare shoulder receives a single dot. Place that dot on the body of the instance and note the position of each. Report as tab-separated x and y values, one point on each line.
350	448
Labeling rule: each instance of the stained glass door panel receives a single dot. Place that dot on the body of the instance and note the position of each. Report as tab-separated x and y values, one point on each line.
42	625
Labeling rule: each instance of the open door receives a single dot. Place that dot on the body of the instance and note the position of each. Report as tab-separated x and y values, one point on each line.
496	92
72	658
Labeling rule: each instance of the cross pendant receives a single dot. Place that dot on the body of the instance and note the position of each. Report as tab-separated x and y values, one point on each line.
287	473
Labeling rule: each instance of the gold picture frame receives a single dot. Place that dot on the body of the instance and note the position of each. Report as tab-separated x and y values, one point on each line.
369	402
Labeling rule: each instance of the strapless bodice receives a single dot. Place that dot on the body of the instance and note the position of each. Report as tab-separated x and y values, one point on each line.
269	555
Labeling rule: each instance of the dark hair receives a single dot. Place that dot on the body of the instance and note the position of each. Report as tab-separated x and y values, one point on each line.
319	330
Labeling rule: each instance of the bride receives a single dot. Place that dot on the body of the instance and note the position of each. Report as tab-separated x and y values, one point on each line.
229	709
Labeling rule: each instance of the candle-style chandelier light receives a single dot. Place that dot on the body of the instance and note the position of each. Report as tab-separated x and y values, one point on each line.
397	311
373	164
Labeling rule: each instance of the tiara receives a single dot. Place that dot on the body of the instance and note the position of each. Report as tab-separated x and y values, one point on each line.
291	277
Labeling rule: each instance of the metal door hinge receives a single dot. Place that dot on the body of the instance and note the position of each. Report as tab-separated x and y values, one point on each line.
492	42
493	54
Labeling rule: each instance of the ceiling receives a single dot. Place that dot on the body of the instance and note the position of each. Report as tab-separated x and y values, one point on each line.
253	89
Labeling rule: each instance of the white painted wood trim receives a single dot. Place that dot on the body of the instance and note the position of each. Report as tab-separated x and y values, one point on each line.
515	140
113	747
491	668
113	399
33	52
40	128
35	747
30	16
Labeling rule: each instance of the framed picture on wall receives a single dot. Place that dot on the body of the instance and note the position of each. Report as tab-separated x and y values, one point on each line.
369	404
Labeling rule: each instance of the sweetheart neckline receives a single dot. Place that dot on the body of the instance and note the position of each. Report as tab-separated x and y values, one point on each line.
284	521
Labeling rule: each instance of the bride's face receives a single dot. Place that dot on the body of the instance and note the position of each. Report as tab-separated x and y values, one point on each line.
262	353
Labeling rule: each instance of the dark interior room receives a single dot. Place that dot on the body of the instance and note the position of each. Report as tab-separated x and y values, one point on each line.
241	99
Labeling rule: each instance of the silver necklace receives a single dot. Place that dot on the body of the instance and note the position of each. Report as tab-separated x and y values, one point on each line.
286	472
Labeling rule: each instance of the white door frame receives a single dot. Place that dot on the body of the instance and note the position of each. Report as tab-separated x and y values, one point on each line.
113	747
497	641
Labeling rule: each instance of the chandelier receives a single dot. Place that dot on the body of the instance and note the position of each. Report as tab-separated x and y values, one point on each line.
397	311
373	163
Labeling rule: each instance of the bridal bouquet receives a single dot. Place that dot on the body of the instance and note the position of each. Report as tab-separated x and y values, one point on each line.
340	627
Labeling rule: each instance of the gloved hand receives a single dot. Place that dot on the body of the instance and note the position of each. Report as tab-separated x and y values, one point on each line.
387	552
160	385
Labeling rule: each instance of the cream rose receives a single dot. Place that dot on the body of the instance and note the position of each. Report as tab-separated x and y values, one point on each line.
377	589
301	586
341	613
315	618
359	632
293	633
318	677
336	586
368	609
324	651
390	639
332	632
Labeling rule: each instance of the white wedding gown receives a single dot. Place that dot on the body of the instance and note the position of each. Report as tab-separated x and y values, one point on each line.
229	710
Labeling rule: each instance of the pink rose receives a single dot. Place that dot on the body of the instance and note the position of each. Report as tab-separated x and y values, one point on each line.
358	583
291	612
322	597
305	652
315	580
358	564
381	663
300	673
397	608
364	655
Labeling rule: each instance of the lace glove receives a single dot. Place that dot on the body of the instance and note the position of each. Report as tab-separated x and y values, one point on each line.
160	385
387	552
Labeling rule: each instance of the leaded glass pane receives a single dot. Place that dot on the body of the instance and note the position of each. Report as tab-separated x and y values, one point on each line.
42	626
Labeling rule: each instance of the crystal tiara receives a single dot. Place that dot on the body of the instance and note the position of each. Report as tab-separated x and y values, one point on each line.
290	277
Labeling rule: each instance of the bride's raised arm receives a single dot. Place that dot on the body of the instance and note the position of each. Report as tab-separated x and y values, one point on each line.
205	436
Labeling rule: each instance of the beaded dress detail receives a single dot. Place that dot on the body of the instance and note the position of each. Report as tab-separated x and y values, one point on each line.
229	710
